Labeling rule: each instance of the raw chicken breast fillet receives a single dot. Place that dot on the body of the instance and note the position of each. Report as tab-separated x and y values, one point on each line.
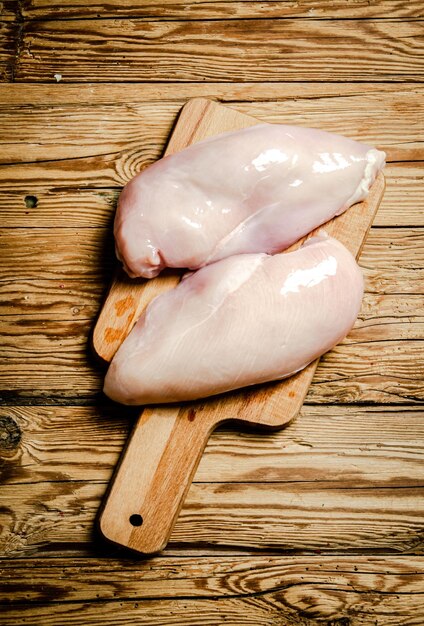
244	320
255	190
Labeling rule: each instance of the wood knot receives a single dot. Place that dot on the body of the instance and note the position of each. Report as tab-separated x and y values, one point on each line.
10	433
31	202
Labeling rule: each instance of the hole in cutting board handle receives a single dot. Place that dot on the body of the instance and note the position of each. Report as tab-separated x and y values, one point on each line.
136	520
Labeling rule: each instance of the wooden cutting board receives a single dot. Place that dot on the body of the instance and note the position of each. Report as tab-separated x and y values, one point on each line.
162	454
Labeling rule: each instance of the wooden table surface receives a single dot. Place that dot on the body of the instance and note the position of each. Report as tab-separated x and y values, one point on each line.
321	523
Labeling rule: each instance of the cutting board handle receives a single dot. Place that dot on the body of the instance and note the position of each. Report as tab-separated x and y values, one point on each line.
153	477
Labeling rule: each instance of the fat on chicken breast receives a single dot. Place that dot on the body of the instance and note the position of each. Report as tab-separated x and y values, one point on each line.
240	321
255	190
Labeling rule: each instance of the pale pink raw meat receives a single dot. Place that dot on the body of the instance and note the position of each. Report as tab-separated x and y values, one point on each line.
254	190
244	320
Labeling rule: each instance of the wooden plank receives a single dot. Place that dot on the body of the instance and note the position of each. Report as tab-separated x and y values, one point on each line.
66	253
85	208
221	50
52	300
402	204
303	516
48	361
392	258
341	445
9	10
42	318
359	124
56	207
296	578
93	94
45	352
223	9
301	607
52	208
105	145
370	372
382	317
9	32
60	132
294	516
373	371
388	317
64	130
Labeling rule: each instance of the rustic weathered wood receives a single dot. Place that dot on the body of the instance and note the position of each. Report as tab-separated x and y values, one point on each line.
388	317
165	447
402	204
115	169
305	605
84	208
377	370
52	323
319	586
294	516
8	38
51	300
382	317
9	10
389	371
135	50
108	141
95	94
60	253
115	126
371	447
47	363
403	199
61	250
224	9
99	128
